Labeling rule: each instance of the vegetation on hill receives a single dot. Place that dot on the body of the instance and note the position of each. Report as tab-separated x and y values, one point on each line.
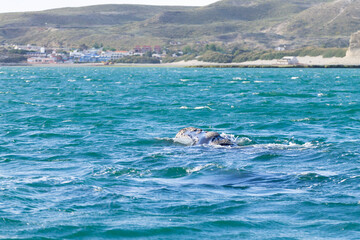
269	55
220	54
138	59
251	24
337	18
12	56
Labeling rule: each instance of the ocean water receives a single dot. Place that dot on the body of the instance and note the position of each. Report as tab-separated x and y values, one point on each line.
87	153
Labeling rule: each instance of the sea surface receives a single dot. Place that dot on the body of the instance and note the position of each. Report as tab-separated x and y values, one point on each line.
88	153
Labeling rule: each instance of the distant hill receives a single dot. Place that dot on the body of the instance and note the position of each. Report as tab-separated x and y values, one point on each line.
249	23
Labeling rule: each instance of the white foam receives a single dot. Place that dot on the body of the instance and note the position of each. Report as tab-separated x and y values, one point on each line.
97	189
230	137
301	120
203	107
293	78
199	168
165	139
321	173
279	146
243	141
32	104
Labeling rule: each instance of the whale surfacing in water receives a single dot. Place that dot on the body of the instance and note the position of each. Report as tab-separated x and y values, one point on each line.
194	136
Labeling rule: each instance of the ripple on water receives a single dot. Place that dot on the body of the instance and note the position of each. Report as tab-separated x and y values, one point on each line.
89	152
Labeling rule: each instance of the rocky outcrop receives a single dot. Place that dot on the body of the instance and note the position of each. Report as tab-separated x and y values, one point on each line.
354	47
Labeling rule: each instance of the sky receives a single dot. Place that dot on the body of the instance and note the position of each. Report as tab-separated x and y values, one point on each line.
37	5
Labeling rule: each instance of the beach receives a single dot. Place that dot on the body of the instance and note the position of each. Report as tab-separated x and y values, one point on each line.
318	61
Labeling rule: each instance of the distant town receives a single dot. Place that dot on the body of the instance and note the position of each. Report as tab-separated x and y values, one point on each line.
84	54
174	51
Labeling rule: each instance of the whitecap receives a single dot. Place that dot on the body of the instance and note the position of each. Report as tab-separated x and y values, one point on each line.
320	173
165	139
184	107
32	104
280	146
243	141
301	120
293	78
199	168
97	189
71	80
203	107
231	137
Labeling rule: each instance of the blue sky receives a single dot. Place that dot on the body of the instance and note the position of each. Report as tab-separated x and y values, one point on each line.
37	5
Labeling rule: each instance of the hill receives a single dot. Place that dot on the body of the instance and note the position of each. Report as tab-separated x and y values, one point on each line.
332	20
251	24
109	24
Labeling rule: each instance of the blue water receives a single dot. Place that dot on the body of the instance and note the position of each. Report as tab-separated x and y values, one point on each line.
87	153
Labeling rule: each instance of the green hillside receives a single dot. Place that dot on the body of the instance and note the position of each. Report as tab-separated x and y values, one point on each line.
232	10
260	24
338	17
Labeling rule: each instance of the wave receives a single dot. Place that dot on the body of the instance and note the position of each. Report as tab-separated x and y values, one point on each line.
245	142
289	145
197	108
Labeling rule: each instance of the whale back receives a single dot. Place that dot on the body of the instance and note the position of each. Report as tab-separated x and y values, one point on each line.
193	136
189	136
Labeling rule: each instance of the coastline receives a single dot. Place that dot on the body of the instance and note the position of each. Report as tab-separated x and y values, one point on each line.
304	62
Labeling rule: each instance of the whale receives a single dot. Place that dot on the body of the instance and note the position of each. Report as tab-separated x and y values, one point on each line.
196	136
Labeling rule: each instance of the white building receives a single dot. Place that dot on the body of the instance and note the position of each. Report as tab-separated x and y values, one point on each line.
116	54
280	48
290	60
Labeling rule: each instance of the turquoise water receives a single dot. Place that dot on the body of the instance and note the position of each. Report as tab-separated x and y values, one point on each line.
87	153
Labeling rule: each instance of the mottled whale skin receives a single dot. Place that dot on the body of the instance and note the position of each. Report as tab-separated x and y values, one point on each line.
194	136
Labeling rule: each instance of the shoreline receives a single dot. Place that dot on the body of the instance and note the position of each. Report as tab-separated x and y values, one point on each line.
165	65
304	62
275	66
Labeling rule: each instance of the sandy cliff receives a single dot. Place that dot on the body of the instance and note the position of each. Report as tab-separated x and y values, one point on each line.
354	46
